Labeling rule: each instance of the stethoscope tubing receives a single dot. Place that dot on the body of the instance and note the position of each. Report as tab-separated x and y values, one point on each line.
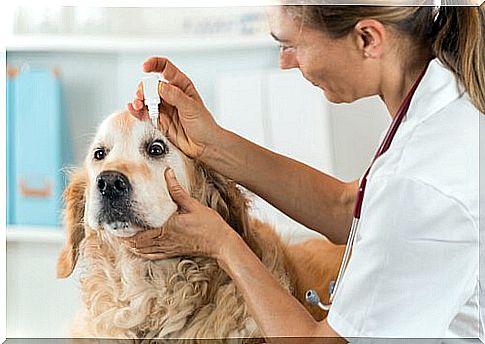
311	296
346	258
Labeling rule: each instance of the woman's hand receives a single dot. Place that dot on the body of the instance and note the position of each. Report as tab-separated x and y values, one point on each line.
183	116
196	230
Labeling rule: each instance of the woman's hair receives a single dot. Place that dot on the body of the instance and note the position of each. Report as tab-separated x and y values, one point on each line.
455	35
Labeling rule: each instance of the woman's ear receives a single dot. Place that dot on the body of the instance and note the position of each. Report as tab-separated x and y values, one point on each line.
75	199
370	35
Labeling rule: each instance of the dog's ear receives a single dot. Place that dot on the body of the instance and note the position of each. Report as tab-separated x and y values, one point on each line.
223	195
75	199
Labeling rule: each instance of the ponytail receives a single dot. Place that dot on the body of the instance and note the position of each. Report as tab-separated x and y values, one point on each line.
459	44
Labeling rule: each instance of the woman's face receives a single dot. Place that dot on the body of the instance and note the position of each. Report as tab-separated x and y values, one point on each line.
336	66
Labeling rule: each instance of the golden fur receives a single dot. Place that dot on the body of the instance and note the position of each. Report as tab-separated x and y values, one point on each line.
126	296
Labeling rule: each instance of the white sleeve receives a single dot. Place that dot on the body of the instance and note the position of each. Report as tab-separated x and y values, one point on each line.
414	263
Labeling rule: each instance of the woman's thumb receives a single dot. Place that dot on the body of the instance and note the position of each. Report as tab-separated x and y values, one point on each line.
178	194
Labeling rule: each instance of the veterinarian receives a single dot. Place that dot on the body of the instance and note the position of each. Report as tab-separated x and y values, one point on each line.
413	271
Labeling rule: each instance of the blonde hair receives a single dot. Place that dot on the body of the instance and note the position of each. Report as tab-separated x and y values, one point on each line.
455	35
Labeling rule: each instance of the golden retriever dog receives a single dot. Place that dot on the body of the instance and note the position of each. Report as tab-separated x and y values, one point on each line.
121	190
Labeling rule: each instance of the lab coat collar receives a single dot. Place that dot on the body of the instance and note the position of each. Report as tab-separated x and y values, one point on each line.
438	88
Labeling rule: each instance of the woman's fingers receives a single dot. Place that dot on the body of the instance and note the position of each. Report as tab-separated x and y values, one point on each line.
164	119
175	97
150	256
172	74
151	249
168	70
144	238
138	104
140	114
139	91
149	237
155	256
164	123
179	195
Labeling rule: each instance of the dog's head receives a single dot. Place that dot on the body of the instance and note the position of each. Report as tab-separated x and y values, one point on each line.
126	189
121	189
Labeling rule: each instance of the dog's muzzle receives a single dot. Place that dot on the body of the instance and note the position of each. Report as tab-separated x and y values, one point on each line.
115	192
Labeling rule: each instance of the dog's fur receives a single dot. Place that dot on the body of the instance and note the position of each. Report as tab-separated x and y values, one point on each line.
126	296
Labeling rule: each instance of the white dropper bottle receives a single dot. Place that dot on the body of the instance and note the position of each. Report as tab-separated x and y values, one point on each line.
152	98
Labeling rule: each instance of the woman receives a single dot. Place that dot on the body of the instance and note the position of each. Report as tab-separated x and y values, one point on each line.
414	265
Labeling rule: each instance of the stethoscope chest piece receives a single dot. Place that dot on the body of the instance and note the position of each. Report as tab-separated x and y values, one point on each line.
312	297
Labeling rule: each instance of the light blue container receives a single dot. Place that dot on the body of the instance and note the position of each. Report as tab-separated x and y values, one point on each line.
10	161
39	148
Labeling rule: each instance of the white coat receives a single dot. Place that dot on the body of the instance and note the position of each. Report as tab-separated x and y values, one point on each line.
414	266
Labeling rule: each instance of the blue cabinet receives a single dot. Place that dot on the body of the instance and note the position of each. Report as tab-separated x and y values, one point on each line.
9	136
38	148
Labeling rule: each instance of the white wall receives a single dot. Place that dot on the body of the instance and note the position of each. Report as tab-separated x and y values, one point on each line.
357	128
38	304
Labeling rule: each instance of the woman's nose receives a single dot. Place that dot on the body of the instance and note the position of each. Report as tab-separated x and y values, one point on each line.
288	60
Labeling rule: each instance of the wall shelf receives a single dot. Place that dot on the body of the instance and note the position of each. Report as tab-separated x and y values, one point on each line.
34	234
98	44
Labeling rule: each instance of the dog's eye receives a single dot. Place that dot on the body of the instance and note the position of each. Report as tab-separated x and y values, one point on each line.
157	148
99	153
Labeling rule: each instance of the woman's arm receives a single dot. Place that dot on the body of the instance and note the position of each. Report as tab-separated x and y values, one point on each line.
275	310
199	230
313	198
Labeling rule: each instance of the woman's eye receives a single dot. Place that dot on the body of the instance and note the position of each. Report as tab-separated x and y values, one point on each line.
286	48
99	154
157	148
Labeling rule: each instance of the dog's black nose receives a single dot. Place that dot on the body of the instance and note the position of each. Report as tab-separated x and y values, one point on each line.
113	185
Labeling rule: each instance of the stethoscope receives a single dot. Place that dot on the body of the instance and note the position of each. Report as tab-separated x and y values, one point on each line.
311	295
